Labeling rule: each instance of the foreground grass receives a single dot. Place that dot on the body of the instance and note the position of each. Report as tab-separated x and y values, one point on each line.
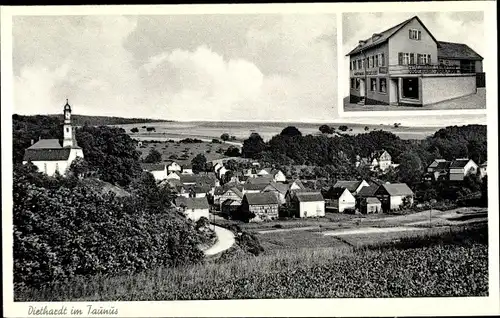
415	267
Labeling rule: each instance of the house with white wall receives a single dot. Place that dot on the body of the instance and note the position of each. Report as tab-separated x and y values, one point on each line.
193	208
309	204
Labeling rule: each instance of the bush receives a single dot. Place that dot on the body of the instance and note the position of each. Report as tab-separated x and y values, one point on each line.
150	129
134	130
216	141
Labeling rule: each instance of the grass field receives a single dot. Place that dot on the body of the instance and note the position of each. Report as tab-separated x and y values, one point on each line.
185	152
445	264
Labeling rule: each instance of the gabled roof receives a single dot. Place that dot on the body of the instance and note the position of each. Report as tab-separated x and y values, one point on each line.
459	163
336	193
309	196
46	144
260	180
373	201
200	188
457	51
188	178
368	191
192	203
47	154
235	191
396	189
280	187
256	186
263	198
231	202
153	166
385	35
349	185
298	183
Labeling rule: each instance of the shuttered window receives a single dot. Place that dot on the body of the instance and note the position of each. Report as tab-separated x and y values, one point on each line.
412	58
419	59
400	58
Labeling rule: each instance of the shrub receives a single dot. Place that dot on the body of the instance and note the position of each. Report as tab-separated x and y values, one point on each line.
134	130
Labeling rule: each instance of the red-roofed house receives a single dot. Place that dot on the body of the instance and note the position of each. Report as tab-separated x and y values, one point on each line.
406	65
49	155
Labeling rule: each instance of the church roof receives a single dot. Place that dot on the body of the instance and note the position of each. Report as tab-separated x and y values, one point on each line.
47	154
46	144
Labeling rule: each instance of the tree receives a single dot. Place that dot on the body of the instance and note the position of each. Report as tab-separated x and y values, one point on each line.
224	137
253	147
291	131
134	130
410	168
232	151
367	128
199	163
325	129
154	156
343	128
79	167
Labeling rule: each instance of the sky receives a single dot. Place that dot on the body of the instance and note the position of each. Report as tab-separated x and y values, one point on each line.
461	27
177	67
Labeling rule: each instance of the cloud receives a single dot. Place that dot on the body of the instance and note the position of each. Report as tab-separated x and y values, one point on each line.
181	67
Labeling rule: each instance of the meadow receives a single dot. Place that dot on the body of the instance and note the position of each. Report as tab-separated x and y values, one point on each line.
453	263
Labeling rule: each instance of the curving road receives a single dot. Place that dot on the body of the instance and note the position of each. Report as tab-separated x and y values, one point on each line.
225	239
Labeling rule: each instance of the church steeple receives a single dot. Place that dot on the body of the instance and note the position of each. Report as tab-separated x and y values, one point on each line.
68	140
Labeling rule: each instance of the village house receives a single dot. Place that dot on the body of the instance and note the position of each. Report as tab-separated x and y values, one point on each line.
460	168
188	179
187	169
221	172
280	189
173	166
253	188
230	207
262	206
199	190
277	175
49	155
308	204
407	65
364	193
370	205
353	186
158	170
340	199
173	175
297	185
394	196
232	193
439	169
193	208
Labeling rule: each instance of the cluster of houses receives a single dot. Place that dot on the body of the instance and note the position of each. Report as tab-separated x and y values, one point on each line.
257	194
454	170
352	196
379	160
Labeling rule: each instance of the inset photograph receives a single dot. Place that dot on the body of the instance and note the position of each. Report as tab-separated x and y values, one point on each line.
408	61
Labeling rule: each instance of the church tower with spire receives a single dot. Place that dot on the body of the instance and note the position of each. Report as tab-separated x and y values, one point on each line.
68	140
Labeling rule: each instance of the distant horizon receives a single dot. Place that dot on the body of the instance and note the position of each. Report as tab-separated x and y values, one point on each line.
334	121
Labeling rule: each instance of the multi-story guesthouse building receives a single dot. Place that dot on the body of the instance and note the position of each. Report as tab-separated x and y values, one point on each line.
50	155
407	65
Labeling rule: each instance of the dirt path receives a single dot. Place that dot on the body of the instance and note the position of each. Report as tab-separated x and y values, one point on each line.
225	239
304	228
371	230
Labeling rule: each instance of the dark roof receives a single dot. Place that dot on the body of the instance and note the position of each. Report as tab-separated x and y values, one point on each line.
373	201
152	166
258	186
457	51
46	144
335	193
260	180
349	185
46	154
459	163
309	196
443	165
368	191
200	188
230	202
192	203
385	35
397	189
188	178
280	187
263	198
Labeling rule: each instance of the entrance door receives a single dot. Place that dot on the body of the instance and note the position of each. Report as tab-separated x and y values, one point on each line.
410	88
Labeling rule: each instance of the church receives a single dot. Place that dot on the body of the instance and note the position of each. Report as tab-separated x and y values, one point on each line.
49	155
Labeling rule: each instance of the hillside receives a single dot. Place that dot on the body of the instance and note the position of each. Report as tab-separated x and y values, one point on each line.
80	120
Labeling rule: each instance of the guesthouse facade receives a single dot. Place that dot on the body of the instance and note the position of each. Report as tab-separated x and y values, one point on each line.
407	65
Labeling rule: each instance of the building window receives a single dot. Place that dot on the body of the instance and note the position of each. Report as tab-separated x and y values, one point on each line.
373	82
353	83
359	64
375	59
424	59
383	85
404	58
412	58
380	58
415	34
